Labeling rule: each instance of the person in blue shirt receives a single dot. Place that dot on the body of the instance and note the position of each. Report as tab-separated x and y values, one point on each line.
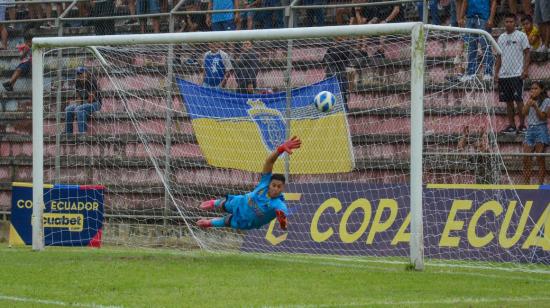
479	14
223	21
216	66
258	207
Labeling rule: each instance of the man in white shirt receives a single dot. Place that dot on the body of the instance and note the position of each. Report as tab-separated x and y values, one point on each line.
511	69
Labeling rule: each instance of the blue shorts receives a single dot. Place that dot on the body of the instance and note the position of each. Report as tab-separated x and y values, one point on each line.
147	7
236	219
537	134
25	67
226	25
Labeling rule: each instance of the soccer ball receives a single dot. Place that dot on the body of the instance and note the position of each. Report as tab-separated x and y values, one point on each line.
324	101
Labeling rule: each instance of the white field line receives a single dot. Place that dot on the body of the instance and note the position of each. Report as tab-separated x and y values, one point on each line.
449	301
51	302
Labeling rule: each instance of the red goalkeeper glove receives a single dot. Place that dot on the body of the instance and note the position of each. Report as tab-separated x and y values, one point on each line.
289	145
281	217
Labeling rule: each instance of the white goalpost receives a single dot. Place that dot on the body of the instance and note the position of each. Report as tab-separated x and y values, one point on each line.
382	175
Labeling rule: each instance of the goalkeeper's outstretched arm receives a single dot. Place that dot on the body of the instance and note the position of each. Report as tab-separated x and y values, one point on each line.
288	146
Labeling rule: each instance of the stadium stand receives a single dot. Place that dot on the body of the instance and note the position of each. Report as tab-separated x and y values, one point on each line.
15	108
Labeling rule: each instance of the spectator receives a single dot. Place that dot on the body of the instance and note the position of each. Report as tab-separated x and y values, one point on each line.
455	5
315	17
358	15
248	17
223	21
148	7
164	6
336	61
83	12
511	69
103	8
3	30
246	69
484	167
434	11
382	14
532	32
537	111
526	4
132	9
480	15
35	12
25	65
272	19
193	22
216	67
341	12
542	19
88	100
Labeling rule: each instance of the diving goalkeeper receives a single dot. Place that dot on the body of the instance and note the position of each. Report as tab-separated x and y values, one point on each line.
258	207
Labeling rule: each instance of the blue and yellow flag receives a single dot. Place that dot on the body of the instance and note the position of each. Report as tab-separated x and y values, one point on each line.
239	130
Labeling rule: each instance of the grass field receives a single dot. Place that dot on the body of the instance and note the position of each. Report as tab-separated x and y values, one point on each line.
115	277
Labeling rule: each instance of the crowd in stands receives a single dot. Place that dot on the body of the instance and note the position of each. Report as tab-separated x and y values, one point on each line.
448	12
525	30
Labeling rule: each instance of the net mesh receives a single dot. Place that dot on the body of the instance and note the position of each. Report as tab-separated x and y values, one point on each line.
180	124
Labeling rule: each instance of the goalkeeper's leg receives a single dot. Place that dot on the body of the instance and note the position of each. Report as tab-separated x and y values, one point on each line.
213	205
220	222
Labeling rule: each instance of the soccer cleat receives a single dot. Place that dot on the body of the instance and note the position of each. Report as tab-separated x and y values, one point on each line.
204	223
522	129
509	130
208	205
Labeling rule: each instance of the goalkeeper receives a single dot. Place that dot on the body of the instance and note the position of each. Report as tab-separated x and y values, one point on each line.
258	207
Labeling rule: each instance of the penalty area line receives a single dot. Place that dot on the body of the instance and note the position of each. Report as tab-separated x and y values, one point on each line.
52	302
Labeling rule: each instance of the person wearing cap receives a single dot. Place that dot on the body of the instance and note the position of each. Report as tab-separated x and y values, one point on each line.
87	101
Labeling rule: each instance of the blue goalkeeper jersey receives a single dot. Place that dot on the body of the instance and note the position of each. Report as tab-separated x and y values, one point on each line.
256	208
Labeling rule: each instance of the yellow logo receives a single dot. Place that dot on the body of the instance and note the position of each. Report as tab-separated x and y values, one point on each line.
74	222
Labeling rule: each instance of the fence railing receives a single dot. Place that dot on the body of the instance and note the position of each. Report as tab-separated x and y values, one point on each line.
289	11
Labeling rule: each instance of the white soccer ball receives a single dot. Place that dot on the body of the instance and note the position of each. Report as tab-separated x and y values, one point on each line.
324	101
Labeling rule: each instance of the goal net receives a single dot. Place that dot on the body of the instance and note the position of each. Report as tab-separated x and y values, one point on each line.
157	128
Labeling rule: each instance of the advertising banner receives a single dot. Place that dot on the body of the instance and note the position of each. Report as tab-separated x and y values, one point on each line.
73	215
476	222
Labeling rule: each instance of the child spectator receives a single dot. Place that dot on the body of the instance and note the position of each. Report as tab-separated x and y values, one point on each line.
216	66
25	65
531	31
537	111
511	69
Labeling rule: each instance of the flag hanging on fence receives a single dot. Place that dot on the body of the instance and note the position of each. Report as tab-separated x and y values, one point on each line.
239	130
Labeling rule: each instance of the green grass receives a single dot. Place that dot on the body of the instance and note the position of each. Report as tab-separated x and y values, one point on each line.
145	278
